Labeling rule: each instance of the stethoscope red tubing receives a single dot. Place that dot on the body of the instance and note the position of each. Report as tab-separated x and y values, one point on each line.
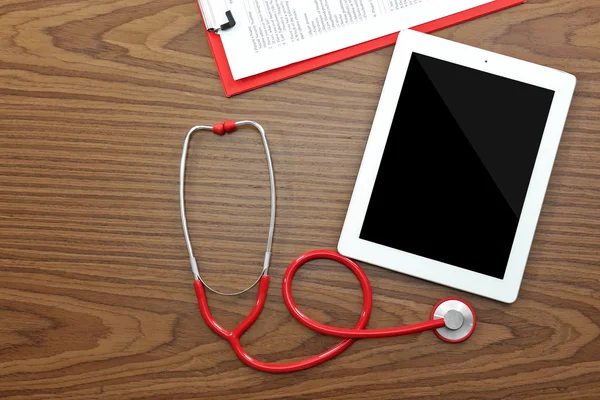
349	335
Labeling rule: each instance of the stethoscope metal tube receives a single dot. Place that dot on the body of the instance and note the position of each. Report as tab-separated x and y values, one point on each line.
453	320
227	126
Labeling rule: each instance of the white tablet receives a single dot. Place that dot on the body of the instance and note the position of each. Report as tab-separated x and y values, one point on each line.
456	165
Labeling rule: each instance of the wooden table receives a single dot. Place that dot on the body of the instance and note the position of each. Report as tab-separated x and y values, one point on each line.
96	297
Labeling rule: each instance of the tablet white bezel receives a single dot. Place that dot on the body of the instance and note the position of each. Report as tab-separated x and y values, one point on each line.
350	244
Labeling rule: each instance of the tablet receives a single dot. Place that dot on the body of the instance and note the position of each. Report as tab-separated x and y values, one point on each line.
456	166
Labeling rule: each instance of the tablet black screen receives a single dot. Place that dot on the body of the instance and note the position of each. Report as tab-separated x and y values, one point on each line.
457	165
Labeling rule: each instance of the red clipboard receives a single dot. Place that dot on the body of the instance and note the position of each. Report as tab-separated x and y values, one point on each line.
233	87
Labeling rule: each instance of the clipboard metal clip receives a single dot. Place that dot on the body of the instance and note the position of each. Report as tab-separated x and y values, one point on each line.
229	24
213	24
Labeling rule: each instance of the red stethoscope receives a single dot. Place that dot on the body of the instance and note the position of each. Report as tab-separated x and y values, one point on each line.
452	319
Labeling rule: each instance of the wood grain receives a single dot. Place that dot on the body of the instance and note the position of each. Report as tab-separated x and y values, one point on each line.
96	298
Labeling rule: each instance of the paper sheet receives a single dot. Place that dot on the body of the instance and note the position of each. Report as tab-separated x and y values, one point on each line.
273	33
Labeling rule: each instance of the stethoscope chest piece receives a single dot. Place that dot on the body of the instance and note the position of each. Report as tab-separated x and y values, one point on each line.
459	318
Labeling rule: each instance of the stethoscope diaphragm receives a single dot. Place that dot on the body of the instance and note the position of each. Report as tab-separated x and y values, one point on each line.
459	318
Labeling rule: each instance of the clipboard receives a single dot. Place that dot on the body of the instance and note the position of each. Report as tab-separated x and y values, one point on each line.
233	87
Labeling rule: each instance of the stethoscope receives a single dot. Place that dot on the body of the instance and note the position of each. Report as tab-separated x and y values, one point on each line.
452	319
